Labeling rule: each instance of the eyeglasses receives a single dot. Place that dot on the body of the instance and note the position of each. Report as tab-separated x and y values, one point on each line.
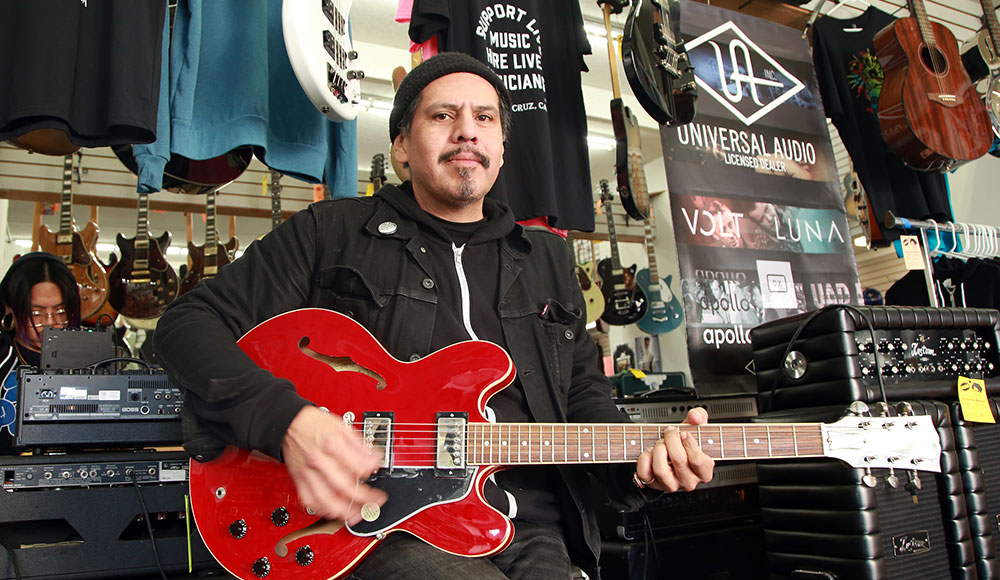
43	317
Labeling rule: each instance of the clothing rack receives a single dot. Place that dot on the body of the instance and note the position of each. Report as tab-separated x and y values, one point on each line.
980	241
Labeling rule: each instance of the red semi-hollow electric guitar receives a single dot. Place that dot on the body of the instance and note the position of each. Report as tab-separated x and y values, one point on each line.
426	418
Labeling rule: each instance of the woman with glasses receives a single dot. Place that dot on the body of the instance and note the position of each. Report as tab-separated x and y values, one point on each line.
38	290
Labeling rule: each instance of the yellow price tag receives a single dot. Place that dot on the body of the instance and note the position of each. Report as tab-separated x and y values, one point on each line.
637	373
972	398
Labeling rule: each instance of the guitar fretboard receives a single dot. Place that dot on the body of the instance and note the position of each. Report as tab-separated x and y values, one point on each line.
926	32
654	277
211	238
616	263
993	26
142	234
558	443
66	203
275	199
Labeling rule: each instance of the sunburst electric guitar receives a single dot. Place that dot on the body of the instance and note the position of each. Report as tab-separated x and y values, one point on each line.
439	450
76	249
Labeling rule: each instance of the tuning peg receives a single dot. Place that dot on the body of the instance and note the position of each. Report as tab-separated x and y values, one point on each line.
859	409
913	485
869	479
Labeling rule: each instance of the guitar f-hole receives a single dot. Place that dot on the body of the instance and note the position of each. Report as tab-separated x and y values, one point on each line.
340	363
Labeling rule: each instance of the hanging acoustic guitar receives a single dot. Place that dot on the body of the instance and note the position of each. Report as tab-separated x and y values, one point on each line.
928	110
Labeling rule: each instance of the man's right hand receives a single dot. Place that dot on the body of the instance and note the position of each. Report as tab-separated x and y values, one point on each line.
328	462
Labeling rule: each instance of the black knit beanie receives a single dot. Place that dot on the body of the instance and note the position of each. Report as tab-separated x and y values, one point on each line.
432	69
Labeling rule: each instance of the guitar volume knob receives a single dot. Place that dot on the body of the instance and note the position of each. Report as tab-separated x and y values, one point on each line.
238	529
261	567
280	517
304	556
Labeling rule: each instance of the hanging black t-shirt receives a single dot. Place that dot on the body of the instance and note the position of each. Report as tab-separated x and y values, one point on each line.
91	71
537	48
850	81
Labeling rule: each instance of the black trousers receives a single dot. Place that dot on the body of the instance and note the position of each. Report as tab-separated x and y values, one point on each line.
538	552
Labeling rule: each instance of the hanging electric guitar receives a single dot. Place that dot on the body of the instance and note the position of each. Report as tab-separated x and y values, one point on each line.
439	450
993	85
656	65
377	175
77	249
664	311
624	300
319	47
585	271
143	283
928	110
196	177
207	259
628	152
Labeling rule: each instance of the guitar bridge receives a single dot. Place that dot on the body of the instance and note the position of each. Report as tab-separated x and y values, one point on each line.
450	454
377	433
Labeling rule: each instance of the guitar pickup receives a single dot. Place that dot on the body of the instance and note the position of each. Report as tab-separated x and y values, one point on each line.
377	432
450	451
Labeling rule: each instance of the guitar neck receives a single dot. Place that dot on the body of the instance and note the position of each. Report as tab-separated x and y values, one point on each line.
923	22
142	234
275	199
616	262
65	235
211	237
654	277
565	443
993	26
616	92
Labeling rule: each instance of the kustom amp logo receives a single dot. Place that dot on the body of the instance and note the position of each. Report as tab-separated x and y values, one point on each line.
731	68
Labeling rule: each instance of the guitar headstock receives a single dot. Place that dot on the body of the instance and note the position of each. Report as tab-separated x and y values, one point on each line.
605	191
377	175
903	442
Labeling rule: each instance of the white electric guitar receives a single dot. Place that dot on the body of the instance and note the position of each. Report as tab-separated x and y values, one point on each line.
322	56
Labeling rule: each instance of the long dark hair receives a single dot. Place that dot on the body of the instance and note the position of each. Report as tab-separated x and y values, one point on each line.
24	273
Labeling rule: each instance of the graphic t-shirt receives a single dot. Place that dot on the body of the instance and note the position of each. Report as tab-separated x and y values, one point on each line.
537	48
850	81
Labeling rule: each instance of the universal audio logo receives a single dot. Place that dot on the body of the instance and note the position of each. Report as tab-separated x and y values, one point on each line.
731	68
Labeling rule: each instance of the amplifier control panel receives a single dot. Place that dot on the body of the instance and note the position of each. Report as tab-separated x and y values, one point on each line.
48	397
938	354
18	476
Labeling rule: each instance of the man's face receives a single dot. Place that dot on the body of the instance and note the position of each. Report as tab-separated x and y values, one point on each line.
455	146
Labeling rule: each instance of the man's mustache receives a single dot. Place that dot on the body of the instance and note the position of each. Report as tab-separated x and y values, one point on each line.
483	160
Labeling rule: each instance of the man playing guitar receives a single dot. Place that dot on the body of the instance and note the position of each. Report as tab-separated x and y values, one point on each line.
422	266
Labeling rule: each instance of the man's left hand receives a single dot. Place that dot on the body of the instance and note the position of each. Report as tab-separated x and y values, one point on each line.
676	461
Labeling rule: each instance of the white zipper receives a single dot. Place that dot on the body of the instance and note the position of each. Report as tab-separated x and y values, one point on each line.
463	285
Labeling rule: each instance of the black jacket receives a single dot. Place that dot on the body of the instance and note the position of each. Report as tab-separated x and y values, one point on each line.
366	257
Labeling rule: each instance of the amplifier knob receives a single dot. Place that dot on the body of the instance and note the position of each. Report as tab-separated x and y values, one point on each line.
304	556
238	529
261	568
280	517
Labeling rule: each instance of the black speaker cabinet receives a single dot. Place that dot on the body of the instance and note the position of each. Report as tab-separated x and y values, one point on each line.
824	520
733	552
978	447
97	532
834	360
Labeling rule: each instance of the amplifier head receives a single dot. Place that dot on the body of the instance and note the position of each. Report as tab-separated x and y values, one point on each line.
837	358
